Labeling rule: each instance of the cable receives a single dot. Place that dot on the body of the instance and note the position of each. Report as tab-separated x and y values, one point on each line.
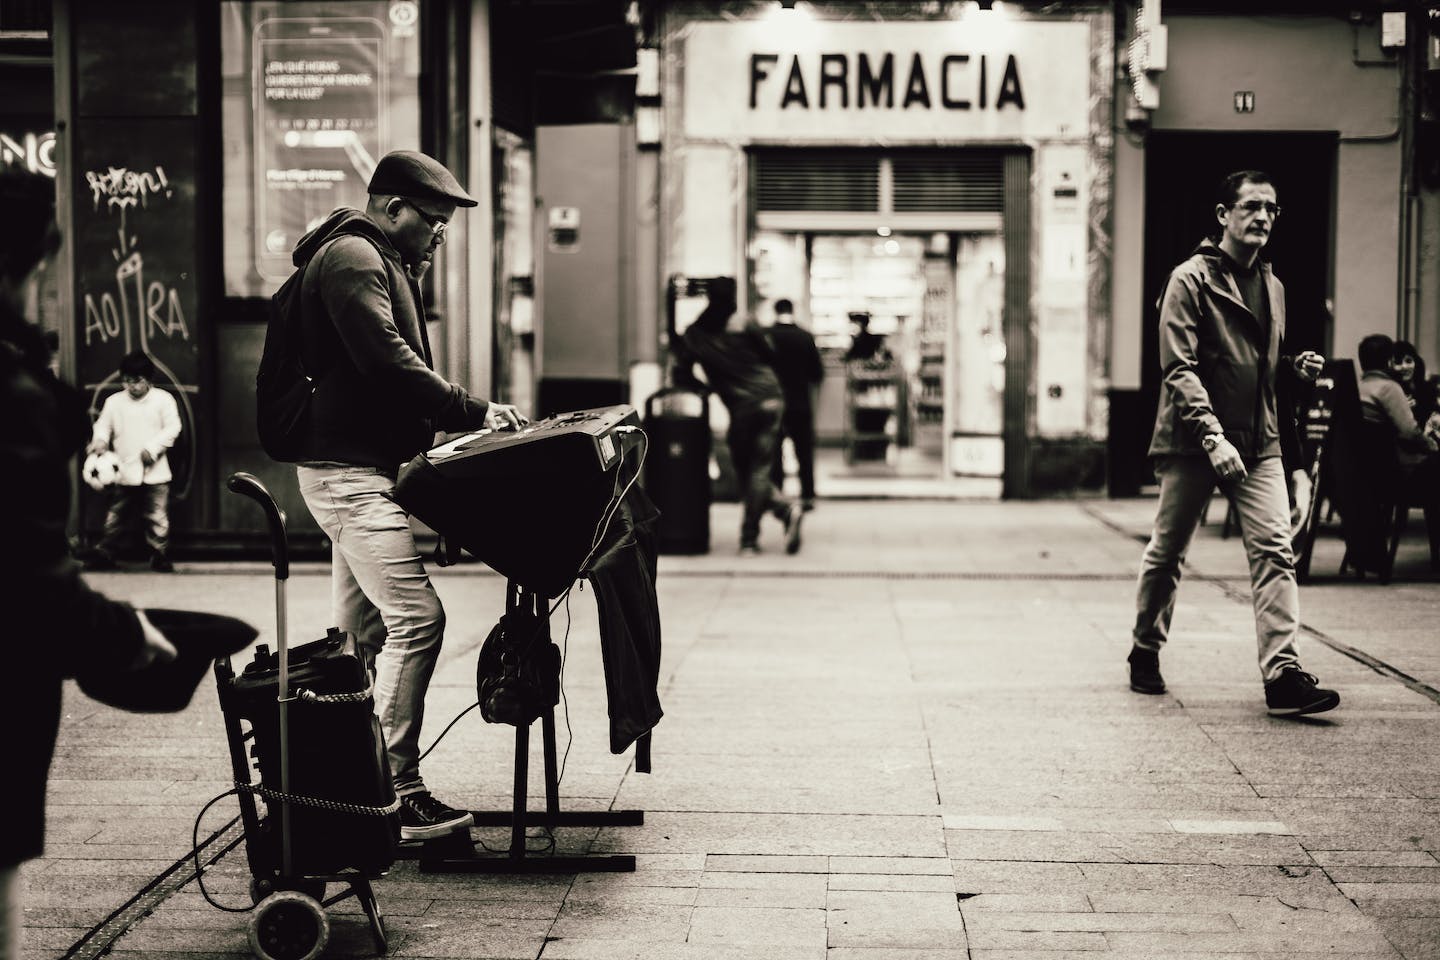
602	527
195	853
447	730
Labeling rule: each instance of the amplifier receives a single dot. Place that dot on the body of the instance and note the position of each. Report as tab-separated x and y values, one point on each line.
527	502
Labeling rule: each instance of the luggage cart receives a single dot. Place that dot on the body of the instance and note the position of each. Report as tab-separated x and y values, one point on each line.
309	719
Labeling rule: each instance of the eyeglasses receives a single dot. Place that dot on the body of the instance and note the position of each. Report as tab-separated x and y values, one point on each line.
1251	207
437	224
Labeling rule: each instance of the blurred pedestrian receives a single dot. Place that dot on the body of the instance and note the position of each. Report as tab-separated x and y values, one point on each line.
865	345
377	403
797	363
739	365
138	424
57	624
1222	320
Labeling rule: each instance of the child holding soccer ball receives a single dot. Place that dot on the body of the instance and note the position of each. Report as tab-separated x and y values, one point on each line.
138	424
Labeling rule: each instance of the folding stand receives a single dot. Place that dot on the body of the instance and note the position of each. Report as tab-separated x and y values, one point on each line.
455	853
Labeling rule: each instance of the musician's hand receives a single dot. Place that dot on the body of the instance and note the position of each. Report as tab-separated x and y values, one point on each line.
1308	365
504	416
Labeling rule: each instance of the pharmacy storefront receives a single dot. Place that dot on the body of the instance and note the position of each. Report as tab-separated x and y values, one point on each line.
941	184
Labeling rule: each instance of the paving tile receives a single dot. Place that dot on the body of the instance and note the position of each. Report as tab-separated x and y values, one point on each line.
1097	922
887	881
779	899
758	925
938	866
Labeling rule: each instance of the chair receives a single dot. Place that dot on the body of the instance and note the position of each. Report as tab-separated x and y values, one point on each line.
1369	491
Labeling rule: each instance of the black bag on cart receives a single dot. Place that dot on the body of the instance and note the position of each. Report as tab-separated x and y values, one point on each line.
337	756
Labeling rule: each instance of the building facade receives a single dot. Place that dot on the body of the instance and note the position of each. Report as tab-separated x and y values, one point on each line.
999	188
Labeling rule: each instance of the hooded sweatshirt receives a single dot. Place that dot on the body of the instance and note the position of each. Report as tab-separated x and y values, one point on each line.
377	402
1219	360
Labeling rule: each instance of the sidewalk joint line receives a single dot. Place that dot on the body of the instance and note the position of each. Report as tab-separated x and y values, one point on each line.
100	938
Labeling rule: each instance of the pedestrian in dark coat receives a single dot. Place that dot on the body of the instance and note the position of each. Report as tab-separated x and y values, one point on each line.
797	364
55	625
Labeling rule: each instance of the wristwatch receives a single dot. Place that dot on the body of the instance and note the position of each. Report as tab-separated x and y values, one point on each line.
1210	441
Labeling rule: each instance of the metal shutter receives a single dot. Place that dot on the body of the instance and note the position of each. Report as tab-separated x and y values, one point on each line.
799	179
969	181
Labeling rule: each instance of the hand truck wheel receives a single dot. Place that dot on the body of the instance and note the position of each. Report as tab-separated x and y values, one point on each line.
260	888
288	925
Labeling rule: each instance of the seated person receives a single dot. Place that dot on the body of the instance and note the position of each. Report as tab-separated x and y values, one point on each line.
1383	401
1408	368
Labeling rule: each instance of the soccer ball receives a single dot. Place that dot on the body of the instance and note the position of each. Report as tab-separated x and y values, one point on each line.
100	470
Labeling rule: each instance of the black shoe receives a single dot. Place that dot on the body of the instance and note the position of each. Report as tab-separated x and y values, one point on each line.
807	504
1145	671
161	563
423	817
1294	692
749	549
793	517
100	560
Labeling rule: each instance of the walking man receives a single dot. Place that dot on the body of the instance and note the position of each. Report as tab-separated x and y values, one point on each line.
377	403
1222	319
738	364
797	364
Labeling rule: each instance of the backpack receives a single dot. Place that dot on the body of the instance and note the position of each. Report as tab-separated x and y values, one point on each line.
282	386
517	675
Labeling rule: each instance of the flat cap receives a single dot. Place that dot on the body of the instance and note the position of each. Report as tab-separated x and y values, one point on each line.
409	173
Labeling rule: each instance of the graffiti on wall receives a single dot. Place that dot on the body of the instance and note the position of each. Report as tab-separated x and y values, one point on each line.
137	314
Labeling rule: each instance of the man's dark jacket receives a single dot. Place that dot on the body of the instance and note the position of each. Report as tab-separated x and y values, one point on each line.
1218	367
797	363
377	401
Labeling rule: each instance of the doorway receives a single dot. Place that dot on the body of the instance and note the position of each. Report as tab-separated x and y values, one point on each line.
928	406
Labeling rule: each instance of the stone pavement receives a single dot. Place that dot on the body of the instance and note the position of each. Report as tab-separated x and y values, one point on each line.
913	741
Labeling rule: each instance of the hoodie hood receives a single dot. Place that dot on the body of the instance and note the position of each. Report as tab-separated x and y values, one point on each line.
342	221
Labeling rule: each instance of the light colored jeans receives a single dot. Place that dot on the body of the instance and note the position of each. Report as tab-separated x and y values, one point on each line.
381	594
1263	505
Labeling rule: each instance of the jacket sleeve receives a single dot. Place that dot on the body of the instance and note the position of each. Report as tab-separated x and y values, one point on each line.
169	426
1179	355
684	372
356	296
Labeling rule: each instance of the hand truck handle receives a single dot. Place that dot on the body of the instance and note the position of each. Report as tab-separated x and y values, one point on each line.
248	485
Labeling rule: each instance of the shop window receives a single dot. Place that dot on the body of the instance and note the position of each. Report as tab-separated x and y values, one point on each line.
314	93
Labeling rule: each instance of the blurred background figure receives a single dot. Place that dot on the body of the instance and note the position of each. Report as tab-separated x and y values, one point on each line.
58	624
865	345
138	424
1408	369
797	364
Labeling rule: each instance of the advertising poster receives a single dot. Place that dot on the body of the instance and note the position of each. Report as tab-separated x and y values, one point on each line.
319	86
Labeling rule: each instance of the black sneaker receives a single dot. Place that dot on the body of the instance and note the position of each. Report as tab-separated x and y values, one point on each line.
793	517
1295	692
1145	671
161	563
423	817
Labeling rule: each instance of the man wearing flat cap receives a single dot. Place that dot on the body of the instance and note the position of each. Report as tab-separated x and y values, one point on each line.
377	403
